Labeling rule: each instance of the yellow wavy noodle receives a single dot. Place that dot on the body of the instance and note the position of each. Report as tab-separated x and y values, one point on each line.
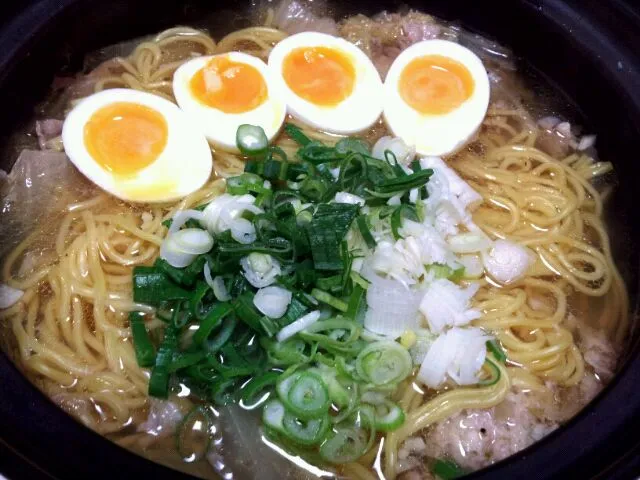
550	206
71	325
75	337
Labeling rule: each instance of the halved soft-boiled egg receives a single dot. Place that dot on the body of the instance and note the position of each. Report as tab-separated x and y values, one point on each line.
222	92
327	82
436	95
136	146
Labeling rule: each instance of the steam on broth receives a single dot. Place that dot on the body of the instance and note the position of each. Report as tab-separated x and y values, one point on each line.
512	325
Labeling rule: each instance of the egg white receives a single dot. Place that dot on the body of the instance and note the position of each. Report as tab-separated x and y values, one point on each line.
436	134
220	127
182	167
355	113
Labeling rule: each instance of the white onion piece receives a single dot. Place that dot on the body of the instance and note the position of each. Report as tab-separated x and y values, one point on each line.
403	153
468	197
392	308
548	123
458	354
217	285
163	418
9	296
175	257
473	266
272	301
587	141
183	216
223	210
260	269
414	194
179	249
192	240
303	322
243	231
207	275
220	290
564	128
469	242
420	349
507	261
395	200
447	304
346	197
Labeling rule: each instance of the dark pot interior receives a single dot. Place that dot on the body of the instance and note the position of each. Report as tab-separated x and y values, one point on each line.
586	48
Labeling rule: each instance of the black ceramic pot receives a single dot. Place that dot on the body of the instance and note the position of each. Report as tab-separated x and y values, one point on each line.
587	48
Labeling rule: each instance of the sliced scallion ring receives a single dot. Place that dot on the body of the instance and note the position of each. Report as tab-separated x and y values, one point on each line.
273	415
348	442
494	373
306	395
344	445
383	363
251	139
306	432
194	433
388	416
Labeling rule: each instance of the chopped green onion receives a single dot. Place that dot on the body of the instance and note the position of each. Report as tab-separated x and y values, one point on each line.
326	231
211	321
361	221
277	247
359	280
403	184
329	283
384	362
494	373
185	359
145	353
347	443
447	470
351	331
406	211
245	183
251	139
222	335
159	380
223	391
306	432
330	300
186	276
445	271
304	394
316	153
352	145
338	393
199	299
151	286
256	386
243	306
230	370
388	416
273	415
357	302
194	433
344	445
289	352
498	352
296	134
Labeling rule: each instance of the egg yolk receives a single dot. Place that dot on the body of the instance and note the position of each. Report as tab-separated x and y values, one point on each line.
125	137
321	75
229	86
435	85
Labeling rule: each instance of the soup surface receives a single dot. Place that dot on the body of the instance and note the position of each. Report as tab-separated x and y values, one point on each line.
412	278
